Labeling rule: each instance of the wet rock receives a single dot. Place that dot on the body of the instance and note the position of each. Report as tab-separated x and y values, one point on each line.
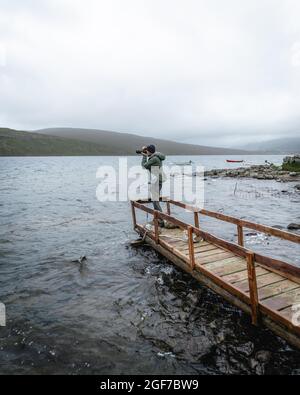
251	234
246	348
80	260
297	187
263	356
293	226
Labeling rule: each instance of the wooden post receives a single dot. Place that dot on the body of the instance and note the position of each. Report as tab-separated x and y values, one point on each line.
240	235
168	208
196	219
252	287
133	215
191	247
156	234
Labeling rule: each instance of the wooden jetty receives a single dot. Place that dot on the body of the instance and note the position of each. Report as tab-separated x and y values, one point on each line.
267	289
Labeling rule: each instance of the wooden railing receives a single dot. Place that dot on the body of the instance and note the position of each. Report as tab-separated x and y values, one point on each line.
283	268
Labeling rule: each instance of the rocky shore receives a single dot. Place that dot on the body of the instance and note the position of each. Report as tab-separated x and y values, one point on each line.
259	172
263	172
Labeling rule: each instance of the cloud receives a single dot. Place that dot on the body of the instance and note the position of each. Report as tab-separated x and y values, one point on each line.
204	71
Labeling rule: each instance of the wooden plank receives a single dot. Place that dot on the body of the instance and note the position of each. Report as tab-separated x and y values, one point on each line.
224	262
175	242
276	289
236	249
215	251
198	247
269	278
287	270
214	258
283	300
230	269
243	275
226	269
177	253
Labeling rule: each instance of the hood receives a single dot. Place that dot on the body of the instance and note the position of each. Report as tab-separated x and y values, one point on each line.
159	155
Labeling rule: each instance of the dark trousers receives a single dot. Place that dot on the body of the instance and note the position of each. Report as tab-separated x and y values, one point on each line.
157	188
155	202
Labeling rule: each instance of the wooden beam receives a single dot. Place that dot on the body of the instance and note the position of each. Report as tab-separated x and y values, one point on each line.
187	207
156	232
240	235
191	247
196	219
168	208
252	225
252	287
246	224
133	215
277	266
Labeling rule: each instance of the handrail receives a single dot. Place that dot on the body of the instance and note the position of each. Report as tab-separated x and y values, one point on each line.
293	237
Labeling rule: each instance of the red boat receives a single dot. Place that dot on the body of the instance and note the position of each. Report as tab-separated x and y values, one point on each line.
234	161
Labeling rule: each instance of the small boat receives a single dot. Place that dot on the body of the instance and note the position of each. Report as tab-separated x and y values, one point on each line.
189	163
234	161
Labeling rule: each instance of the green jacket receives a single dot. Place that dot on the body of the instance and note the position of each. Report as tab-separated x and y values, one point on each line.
155	160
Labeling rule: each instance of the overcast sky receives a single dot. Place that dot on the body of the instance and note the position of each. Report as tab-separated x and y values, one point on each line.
219	72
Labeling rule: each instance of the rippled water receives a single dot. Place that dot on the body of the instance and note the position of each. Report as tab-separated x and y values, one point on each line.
123	310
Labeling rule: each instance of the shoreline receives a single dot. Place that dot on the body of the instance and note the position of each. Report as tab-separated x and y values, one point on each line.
258	172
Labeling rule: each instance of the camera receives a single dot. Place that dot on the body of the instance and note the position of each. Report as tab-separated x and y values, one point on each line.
141	151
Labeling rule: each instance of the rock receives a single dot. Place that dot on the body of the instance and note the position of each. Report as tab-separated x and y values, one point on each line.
297	187
263	356
293	174
294	226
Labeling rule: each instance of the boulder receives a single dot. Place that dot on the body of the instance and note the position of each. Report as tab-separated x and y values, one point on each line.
294	226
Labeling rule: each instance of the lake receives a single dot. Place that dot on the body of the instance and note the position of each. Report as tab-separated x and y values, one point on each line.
125	310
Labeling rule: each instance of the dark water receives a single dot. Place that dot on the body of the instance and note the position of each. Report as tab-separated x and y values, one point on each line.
123	310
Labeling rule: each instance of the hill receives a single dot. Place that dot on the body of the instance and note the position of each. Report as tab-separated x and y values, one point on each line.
20	143
289	145
125	144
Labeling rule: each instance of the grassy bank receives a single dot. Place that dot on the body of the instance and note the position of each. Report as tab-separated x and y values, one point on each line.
292	167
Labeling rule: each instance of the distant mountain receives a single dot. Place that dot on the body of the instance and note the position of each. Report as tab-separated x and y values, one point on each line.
19	143
289	145
126	144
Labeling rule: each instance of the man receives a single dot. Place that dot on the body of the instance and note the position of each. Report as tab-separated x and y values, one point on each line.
152	161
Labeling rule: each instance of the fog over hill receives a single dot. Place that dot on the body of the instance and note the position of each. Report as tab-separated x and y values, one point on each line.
288	145
126	144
